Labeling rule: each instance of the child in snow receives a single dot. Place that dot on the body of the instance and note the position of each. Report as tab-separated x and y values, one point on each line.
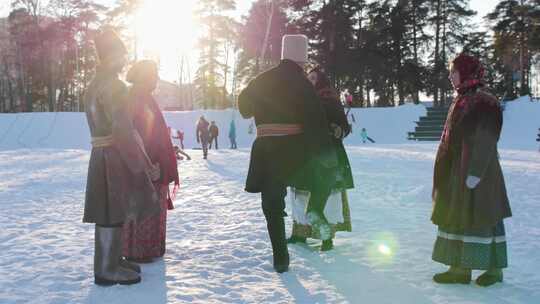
179	152
365	136
180	137
469	193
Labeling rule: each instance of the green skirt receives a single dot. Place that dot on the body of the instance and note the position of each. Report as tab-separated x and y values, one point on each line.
480	249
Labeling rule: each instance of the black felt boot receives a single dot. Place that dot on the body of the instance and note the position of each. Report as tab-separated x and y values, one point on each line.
276	231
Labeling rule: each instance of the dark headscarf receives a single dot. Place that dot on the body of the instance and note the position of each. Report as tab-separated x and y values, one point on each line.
471	72
323	86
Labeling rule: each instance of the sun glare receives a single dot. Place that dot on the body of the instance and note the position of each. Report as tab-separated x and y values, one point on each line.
384	249
167	29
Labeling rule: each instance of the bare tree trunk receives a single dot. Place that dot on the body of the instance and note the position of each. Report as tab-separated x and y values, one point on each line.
225	72
416	94
11	94
437	59
444	91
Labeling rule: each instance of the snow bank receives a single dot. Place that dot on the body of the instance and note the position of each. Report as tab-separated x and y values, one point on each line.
521	123
384	125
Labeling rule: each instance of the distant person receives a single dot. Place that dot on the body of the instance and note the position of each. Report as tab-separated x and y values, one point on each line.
179	152
145	240
180	137
349	100
214	133
348	105
365	136
469	193
232	135
203	135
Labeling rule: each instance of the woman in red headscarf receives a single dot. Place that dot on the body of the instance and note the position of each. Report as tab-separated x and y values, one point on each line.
145	240
469	193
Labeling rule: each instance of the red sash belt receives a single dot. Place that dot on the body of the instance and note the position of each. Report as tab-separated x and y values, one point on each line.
266	130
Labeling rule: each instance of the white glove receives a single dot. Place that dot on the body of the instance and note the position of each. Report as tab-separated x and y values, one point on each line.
472	181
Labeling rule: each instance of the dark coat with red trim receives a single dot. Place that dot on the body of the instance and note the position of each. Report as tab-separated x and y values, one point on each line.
474	127
283	95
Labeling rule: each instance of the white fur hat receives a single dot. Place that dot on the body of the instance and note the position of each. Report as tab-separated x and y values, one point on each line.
295	48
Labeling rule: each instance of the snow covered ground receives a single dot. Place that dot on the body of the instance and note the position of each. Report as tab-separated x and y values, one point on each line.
217	246
218	249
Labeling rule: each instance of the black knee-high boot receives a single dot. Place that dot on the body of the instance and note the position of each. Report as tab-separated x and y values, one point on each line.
276	231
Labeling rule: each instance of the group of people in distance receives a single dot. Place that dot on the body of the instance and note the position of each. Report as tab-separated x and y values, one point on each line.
300	125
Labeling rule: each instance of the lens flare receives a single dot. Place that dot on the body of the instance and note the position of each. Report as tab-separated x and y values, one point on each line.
383	249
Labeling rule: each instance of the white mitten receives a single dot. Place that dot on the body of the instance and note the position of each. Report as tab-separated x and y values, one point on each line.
472	181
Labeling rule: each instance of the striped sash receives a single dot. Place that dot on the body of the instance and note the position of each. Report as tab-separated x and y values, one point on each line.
102	142
266	130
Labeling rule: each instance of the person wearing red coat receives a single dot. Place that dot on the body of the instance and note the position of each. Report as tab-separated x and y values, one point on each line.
145	240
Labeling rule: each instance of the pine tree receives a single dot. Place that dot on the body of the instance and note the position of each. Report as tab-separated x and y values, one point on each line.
517	39
450	19
218	28
252	38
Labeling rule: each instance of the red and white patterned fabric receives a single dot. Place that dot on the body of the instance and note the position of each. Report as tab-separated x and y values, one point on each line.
146	239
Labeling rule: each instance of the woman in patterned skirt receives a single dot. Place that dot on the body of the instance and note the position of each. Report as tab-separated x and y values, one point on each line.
469	193
144	241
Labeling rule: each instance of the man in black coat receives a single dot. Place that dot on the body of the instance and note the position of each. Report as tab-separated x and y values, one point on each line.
292	133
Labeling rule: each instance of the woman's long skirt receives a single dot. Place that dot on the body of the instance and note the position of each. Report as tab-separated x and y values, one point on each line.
480	249
336	211
146	239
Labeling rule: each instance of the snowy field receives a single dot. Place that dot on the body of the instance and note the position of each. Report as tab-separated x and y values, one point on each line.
217	246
